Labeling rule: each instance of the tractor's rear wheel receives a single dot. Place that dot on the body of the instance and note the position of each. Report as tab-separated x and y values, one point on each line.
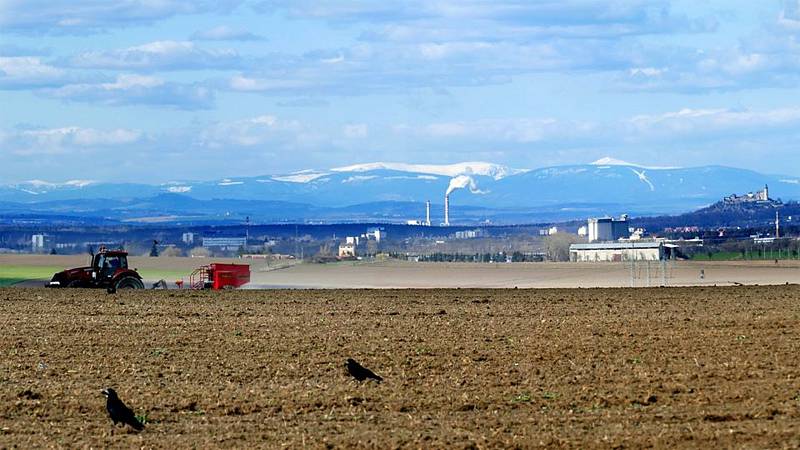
129	283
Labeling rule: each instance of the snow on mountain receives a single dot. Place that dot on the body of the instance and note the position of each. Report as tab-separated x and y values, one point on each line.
36	187
644	178
303	176
609	161
79	183
495	171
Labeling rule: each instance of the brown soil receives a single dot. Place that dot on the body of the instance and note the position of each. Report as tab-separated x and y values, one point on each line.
678	367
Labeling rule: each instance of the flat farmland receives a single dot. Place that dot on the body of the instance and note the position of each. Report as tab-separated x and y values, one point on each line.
34	270
463	368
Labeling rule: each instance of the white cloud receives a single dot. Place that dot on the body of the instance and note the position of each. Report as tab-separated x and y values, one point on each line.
520	130
137	89
253	132
559	18
254	84
161	55
225	33
87	16
706	121
67	139
20	72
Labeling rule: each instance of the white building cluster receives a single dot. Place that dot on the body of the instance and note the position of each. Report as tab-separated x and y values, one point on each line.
611	239
365	244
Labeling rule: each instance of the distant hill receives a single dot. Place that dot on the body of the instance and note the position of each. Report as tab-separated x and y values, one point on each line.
721	214
397	192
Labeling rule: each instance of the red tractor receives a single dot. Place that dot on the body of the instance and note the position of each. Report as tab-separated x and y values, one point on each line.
109	270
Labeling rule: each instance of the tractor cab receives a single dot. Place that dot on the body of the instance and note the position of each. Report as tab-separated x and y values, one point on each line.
105	264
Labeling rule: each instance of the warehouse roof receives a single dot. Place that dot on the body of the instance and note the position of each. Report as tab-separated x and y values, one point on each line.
616	245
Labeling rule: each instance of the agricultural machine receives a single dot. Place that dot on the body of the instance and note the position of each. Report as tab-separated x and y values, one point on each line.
108	270
220	276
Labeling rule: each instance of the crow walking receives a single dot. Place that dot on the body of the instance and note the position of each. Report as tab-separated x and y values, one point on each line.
120	413
360	372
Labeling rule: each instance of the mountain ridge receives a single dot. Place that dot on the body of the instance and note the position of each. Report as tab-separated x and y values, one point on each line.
604	186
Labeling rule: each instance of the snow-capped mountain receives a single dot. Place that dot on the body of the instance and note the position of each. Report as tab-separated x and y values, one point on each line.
613	184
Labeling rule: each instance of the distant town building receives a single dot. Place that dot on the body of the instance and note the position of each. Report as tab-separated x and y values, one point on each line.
37	242
637	234
187	238
469	234
583	231
689	229
621	251
225	243
607	228
375	233
347	250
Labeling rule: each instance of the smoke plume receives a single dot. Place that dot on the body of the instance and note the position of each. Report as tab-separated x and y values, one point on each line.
461	182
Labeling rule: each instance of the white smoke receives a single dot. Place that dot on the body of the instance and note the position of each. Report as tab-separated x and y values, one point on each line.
461	182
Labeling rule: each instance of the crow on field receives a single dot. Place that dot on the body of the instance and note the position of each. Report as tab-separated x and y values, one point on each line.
120	413
360	372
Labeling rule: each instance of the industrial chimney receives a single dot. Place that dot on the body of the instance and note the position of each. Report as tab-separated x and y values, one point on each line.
447	210
428	213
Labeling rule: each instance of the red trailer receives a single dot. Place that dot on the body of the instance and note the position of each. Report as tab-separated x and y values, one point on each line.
220	276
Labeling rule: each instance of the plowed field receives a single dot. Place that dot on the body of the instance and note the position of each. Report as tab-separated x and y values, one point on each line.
676	367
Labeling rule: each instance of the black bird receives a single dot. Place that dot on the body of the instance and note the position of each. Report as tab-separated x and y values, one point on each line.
120	413
360	372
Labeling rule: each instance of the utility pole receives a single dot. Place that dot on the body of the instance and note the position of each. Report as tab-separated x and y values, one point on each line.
777	225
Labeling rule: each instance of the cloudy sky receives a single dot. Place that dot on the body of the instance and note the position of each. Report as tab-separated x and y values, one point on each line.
156	90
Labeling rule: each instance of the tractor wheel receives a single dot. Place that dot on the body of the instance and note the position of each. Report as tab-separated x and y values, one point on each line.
129	283
74	284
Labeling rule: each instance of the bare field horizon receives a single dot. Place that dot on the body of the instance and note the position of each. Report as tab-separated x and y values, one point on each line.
402	274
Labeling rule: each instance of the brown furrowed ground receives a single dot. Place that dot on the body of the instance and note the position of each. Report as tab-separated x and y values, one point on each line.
676	367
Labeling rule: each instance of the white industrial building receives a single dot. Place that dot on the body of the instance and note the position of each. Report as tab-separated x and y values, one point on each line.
347	250
187	238
608	228
621	251
38	241
375	233
227	243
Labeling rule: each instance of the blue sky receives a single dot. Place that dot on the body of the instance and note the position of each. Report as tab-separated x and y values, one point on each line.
158	90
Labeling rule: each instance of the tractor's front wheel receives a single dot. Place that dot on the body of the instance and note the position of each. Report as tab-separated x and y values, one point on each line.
129	283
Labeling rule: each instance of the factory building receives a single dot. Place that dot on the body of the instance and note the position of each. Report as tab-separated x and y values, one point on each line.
347	250
621	251
37	242
375	233
607	228
225	243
